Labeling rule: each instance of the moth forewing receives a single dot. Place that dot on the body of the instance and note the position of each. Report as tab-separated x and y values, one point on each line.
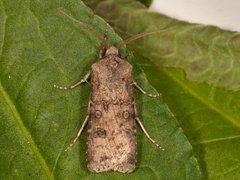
112	125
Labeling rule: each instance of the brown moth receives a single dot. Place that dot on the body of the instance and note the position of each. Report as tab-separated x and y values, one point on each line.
112	115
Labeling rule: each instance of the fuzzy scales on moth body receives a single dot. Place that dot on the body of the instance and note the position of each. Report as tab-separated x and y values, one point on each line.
112	126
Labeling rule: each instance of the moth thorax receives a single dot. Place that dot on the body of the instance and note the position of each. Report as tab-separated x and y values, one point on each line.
111	51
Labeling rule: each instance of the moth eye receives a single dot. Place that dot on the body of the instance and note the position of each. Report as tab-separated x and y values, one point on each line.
126	114
98	114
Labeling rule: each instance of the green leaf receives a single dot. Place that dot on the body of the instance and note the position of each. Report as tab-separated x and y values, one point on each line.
40	47
208	114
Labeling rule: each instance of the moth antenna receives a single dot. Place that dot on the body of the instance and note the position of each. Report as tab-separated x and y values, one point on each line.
86	26
138	36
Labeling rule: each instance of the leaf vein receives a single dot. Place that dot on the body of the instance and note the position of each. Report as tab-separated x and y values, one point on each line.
25	132
208	103
218	139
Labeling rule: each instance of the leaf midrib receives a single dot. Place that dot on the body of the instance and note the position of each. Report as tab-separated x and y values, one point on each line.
17	116
25	132
218	140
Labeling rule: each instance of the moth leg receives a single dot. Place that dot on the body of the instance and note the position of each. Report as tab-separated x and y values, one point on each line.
148	136
106	31
78	134
80	130
145	131
144	92
83	80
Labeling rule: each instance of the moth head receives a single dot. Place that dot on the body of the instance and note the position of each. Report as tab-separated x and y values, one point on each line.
111	51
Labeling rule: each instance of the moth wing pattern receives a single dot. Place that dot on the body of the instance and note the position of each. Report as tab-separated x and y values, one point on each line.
112	125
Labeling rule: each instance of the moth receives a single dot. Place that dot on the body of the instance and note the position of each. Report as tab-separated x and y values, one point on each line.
112	114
